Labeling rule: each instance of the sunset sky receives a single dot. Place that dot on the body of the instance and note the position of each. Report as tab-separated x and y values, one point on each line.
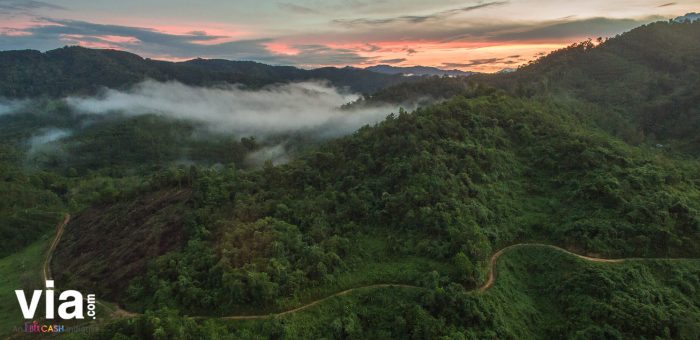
483	36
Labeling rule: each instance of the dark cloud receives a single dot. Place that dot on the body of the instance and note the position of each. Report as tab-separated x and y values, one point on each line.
10	9
371	48
474	62
319	55
479	62
25	5
559	30
296	8
54	33
455	65
410	51
200	33
486	61
667	4
57	27
556	30
392	61
415	18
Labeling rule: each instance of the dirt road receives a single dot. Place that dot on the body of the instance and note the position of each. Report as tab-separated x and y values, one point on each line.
490	281
49	255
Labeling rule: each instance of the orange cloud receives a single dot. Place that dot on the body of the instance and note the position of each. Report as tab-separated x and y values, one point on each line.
479	56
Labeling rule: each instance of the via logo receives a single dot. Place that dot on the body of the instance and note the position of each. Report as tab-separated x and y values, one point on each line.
72	308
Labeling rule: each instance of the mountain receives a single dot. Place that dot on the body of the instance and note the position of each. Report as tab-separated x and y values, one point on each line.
417	71
507	70
629	87
640	93
82	71
423	200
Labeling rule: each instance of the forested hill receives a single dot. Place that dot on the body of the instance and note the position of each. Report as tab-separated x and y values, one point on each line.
78	70
424	198
642	84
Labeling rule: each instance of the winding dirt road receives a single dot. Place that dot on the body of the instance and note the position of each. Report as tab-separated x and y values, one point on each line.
49	255
316	302
490	281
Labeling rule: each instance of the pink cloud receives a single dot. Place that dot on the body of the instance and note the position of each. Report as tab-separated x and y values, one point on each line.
13	32
118	39
218	31
75	39
281	48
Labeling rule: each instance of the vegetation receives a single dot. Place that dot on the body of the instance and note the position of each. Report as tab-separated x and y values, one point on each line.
461	179
29	204
21	270
541	293
558	152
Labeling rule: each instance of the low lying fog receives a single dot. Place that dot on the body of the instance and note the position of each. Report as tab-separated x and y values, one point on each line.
42	140
9	106
307	106
312	109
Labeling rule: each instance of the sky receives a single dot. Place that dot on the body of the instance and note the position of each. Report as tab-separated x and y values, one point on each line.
481	36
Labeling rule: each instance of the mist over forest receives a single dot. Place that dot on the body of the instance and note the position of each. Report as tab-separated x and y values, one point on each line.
274	119
311	107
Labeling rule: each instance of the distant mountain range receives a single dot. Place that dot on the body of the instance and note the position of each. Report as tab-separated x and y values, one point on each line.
417	71
688	17
78	70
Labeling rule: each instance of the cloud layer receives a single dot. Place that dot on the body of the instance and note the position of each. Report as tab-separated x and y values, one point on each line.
55	33
279	109
417	19
314	33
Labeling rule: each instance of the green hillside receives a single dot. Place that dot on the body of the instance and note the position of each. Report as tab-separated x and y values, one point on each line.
445	187
640	86
541	293
644	83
